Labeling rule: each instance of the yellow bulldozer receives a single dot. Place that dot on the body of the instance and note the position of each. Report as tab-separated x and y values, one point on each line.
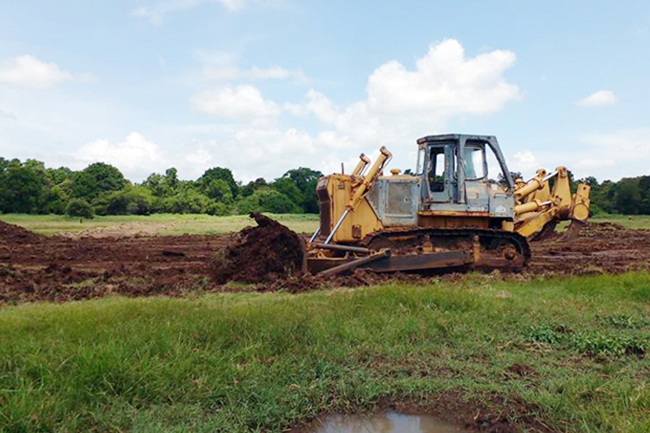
449	213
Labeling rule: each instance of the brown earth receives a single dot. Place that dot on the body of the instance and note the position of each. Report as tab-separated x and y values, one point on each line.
265	253
595	248
59	268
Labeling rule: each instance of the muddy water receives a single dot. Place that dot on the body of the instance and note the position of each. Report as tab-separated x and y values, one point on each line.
386	423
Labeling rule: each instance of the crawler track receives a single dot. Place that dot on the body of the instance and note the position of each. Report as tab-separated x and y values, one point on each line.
492	244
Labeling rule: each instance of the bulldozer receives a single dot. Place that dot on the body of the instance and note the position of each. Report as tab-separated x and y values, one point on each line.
451	212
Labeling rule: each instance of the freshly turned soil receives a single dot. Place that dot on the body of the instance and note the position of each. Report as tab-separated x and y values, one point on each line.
59	268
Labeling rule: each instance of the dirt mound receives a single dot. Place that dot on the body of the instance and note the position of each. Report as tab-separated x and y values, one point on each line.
11	235
264	253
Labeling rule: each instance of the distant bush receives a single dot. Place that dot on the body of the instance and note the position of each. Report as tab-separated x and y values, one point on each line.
267	200
133	200
79	208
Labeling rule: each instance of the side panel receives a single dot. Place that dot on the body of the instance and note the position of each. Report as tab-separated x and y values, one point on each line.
396	200
358	224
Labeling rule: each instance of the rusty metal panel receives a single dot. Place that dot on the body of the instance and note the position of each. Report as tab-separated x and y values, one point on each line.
399	199
396	201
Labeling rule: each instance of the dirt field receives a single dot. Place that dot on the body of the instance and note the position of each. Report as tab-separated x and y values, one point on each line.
59	268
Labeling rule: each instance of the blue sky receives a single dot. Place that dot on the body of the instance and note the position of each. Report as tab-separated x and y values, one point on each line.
265	86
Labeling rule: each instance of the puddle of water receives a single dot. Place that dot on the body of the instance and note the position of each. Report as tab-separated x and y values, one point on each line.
389	422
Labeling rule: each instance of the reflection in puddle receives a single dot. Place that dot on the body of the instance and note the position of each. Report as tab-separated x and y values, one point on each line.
385	423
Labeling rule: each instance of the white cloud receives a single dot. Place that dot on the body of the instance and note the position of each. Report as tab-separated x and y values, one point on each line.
242	102
524	161
591	163
630	145
600	98
401	105
445	83
611	155
230	72
157	12
404	104
28	71
136	157
7	115
317	104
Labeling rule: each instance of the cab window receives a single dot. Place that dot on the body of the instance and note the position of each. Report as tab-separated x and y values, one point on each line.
473	162
437	166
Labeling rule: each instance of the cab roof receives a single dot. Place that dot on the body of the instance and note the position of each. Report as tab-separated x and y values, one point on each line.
449	137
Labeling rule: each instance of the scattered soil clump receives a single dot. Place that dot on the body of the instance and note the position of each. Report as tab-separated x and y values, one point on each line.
264	253
596	248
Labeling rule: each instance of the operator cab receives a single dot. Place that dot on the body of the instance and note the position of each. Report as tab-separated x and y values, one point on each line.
458	178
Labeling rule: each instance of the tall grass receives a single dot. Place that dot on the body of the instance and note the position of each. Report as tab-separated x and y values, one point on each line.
264	362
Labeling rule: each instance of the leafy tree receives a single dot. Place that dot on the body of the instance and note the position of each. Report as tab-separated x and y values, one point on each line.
59	197
96	179
219	190
218	173
132	200
187	201
218	208
306	180
288	188
628	196
267	200
252	186
79	208
23	187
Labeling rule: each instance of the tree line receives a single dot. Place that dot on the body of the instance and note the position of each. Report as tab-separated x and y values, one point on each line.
29	187
101	189
628	196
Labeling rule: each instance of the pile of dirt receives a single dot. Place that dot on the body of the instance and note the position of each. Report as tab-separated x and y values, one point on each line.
14	235
264	253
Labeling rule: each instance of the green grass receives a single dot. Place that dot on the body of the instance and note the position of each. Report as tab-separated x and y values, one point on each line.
264	362
161	224
170	224
637	222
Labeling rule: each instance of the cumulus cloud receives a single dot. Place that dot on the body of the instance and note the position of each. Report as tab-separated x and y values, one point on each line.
157	12
401	105
135	156
28	71
444	83
600	98
242	102
525	161
317	104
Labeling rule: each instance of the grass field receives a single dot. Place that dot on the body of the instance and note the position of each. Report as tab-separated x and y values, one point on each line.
570	350
160	224
170	224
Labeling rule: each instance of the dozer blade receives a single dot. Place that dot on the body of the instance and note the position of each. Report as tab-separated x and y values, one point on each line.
422	262
382	262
